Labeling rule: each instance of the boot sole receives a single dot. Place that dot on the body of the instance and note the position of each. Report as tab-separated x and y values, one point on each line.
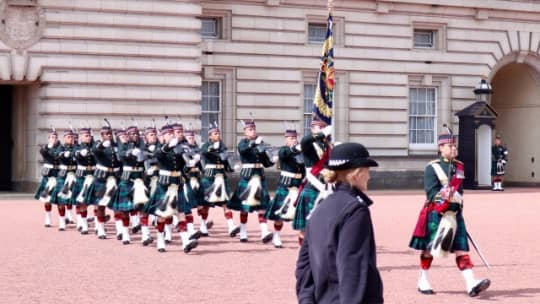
480	287
234	232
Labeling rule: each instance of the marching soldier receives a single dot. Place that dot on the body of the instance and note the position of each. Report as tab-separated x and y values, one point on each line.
214	181
441	227
131	189
292	167
252	193
66	178
107	171
169	195
45	191
314	146
151	179
192	187
499	157
86	165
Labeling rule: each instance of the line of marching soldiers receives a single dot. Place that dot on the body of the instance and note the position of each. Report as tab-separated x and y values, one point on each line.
161	178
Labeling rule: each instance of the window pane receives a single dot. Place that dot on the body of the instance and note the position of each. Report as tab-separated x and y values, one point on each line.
422	115
214	104
423	38
210	27
309	92
210	105
316	32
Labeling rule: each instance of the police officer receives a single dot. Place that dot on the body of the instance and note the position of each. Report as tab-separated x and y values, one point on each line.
337	260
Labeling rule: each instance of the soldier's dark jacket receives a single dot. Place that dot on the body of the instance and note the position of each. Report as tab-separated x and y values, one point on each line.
498	153
337	261
50	158
311	156
212	156
432	185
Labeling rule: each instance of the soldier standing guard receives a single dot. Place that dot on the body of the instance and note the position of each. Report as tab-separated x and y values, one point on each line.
214	181
499	157
252	193
292	173
66	178
107	170
441	227
314	146
45	191
86	165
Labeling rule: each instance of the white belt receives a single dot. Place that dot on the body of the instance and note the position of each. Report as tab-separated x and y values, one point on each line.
66	167
214	167
170	173
86	168
290	174
107	169
132	169
251	166
49	166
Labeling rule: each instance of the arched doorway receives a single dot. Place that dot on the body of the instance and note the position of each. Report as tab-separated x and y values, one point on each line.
516	98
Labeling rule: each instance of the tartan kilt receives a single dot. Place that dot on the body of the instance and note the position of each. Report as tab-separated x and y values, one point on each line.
122	199
276	203
159	196
77	188
460	240
235	202
194	197
206	183
55	198
305	203
41	187
94	191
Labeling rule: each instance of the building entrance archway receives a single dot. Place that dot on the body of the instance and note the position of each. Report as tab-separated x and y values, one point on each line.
516	98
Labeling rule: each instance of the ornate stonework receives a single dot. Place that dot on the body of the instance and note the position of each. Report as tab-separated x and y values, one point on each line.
21	23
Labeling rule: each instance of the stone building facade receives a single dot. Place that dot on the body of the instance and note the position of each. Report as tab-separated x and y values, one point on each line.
403	67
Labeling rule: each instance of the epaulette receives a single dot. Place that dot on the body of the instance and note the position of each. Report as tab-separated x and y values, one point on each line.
458	161
434	161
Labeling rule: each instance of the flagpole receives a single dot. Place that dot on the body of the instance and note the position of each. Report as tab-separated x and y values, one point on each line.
330	6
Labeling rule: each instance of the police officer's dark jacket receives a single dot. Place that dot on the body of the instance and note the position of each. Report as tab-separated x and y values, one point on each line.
337	262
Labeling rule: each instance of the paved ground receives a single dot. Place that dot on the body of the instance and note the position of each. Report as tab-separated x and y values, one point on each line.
47	266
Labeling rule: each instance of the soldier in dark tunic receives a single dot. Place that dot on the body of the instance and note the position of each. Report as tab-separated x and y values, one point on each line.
131	187
66	178
442	184
252	193
169	196
499	157
314	146
150	179
337	261
45	192
292	173
192	187
107	171
214	182
86	165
